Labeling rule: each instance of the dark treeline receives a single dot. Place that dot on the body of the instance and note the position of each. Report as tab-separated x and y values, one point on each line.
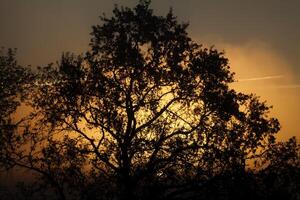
145	113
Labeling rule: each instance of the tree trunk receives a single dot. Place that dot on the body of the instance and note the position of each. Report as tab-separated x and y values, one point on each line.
127	188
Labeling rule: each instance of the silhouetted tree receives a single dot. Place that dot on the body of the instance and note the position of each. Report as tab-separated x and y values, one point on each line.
14	83
146	113
281	174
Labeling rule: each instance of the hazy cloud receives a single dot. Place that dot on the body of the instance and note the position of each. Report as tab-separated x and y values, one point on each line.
262	70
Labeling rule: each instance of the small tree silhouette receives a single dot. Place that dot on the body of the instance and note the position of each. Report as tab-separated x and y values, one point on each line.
14	82
145	113
13	79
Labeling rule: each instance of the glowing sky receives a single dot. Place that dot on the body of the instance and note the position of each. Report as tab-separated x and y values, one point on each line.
260	37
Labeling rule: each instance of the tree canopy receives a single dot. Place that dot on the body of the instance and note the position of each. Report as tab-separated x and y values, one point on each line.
14	82
146	113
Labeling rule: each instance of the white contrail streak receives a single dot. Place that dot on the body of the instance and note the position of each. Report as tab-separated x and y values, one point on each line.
260	78
294	86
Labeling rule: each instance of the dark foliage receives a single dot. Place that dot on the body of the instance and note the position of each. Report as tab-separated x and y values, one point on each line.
14	84
147	113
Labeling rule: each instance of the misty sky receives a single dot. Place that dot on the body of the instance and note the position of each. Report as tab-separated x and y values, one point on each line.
260	37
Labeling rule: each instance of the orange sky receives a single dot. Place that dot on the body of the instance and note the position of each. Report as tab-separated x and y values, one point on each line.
261	39
261	70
